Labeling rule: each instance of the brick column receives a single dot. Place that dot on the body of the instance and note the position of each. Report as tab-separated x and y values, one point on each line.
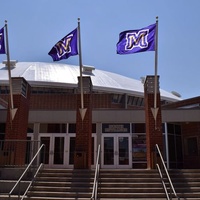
153	127
16	129
83	149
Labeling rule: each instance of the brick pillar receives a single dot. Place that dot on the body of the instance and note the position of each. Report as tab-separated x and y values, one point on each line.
153	127
16	129
83	149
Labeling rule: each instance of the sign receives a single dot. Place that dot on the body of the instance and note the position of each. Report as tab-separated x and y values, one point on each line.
116	128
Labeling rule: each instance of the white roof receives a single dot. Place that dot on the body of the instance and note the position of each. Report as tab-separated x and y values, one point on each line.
58	74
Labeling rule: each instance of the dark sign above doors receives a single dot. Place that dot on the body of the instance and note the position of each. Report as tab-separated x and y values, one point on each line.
116	128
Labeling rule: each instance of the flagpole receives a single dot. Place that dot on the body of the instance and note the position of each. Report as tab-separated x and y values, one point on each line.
156	63
82	110
13	111
156	69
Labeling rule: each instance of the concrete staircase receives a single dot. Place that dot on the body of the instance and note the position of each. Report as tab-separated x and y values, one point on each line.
186	183
60	184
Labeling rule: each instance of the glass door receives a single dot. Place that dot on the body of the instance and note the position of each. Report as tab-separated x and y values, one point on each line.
55	154
60	148
116	151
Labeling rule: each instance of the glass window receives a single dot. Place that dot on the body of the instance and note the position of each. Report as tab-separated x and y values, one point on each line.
2	136
59	150
139	147
117	98
2	127
72	150
172	148
72	128
93	128
170	128
130	99
30	128
177	129
52	128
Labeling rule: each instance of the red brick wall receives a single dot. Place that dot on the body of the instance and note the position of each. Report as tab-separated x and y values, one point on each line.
153	128
53	101
68	101
16	129
191	129
83	142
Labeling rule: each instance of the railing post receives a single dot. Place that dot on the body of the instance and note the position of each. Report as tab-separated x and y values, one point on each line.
172	190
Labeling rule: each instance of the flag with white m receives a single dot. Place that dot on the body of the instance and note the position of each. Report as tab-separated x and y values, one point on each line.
135	41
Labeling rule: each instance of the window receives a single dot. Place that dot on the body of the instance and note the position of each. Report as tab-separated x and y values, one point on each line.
117	98
30	128
93	128
52	128
72	128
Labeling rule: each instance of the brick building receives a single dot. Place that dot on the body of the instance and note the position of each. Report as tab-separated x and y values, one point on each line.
118	118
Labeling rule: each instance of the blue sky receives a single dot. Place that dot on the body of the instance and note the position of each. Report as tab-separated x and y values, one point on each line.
34	26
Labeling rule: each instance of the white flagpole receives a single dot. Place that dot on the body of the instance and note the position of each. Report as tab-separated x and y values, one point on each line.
155	109
82	109
13	111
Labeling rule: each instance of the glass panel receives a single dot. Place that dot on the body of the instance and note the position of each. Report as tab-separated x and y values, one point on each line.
59	150
170	128
123	150
71	150
2	127
2	136
52	128
171	146
28	151
177	130
139	147
93	128
45	155
30	128
108	150
72	128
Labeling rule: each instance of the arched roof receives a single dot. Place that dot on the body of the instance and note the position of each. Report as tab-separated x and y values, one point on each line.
58	74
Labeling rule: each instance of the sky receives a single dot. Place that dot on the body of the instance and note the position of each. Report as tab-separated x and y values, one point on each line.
34	26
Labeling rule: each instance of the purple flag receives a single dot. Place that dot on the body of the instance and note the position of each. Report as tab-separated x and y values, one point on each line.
135	41
66	47
2	44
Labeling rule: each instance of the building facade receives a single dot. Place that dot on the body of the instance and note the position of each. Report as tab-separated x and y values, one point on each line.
118	118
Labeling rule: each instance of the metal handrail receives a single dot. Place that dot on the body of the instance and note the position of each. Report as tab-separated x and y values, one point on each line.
163	183
166	171
96	177
40	166
27	168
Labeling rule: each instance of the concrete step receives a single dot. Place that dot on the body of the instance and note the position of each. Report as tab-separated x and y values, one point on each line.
5	197
60	184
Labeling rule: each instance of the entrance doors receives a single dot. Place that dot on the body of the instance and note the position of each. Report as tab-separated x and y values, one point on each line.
55	145
60	148
116	151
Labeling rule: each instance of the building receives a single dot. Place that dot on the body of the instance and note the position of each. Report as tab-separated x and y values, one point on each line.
47	97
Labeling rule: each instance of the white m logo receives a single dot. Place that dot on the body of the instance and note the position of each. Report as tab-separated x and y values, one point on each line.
137	39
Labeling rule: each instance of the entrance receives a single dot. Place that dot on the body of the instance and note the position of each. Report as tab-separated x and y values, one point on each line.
55	145
60	148
116	151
